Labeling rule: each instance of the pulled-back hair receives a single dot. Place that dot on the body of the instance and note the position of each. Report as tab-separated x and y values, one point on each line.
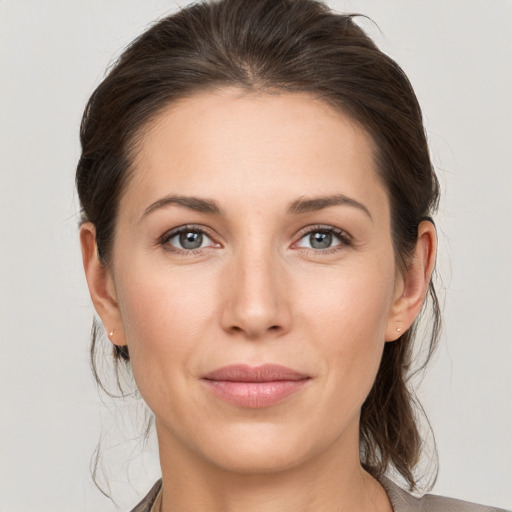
278	46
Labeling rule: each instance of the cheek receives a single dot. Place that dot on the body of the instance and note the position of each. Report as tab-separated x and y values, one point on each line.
348	320
164	318
158	302
350	303
171	315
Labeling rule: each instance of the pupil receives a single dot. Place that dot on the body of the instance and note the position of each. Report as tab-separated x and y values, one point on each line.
191	240
320	240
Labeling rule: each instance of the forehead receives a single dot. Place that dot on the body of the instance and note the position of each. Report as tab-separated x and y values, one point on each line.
234	144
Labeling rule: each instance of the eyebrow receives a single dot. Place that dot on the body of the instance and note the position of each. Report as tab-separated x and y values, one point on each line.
302	205
315	204
191	203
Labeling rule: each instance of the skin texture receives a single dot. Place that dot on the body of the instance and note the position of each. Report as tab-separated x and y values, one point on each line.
257	292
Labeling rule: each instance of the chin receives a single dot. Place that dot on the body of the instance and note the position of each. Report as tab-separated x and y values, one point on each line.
250	448
253	449
254	459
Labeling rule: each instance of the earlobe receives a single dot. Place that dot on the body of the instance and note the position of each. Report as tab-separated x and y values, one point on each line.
415	281
101	285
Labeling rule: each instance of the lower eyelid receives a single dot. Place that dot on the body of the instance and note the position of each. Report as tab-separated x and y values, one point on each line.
165	239
343	237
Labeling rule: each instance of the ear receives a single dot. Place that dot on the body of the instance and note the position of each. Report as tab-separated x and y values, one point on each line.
412	284
101	285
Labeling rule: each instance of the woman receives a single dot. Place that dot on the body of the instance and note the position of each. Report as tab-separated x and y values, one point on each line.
257	238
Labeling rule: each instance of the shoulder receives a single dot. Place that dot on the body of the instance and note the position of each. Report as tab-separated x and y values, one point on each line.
402	501
147	502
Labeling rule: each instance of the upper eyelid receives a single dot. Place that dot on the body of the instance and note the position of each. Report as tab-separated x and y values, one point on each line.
341	233
164	240
323	227
304	231
186	227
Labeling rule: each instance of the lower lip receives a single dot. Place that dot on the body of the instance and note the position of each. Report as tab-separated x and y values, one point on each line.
255	395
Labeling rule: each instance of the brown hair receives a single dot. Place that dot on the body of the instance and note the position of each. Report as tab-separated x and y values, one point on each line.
288	46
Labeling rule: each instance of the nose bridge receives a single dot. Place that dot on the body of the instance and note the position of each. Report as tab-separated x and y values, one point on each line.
256	304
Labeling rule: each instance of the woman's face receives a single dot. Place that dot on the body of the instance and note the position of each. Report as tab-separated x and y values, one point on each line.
254	231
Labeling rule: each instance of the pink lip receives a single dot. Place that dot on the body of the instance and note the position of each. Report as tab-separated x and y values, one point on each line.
254	387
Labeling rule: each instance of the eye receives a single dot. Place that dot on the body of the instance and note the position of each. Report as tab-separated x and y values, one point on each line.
187	239
323	238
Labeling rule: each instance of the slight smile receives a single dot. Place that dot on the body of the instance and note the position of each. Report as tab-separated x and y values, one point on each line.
254	387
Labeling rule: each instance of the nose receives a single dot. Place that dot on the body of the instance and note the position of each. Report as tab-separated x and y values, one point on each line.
256	300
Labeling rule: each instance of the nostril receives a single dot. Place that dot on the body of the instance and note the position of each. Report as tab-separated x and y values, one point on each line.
238	329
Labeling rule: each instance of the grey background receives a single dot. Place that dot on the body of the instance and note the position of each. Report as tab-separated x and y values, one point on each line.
458	55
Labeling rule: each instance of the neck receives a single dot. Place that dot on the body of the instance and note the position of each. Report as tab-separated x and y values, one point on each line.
330	482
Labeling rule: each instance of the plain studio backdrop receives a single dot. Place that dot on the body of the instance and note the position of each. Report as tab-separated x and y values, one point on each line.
458	55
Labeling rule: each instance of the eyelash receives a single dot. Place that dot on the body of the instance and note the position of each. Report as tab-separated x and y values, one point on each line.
165	239
344	238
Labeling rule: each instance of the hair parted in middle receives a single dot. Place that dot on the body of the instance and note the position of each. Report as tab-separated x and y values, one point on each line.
276	47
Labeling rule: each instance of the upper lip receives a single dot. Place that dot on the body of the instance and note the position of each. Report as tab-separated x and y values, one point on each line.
247	373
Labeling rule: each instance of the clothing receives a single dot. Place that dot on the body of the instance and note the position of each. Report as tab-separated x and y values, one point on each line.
147	503
401	501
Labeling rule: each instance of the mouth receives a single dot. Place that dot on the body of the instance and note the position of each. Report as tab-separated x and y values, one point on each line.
254	387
